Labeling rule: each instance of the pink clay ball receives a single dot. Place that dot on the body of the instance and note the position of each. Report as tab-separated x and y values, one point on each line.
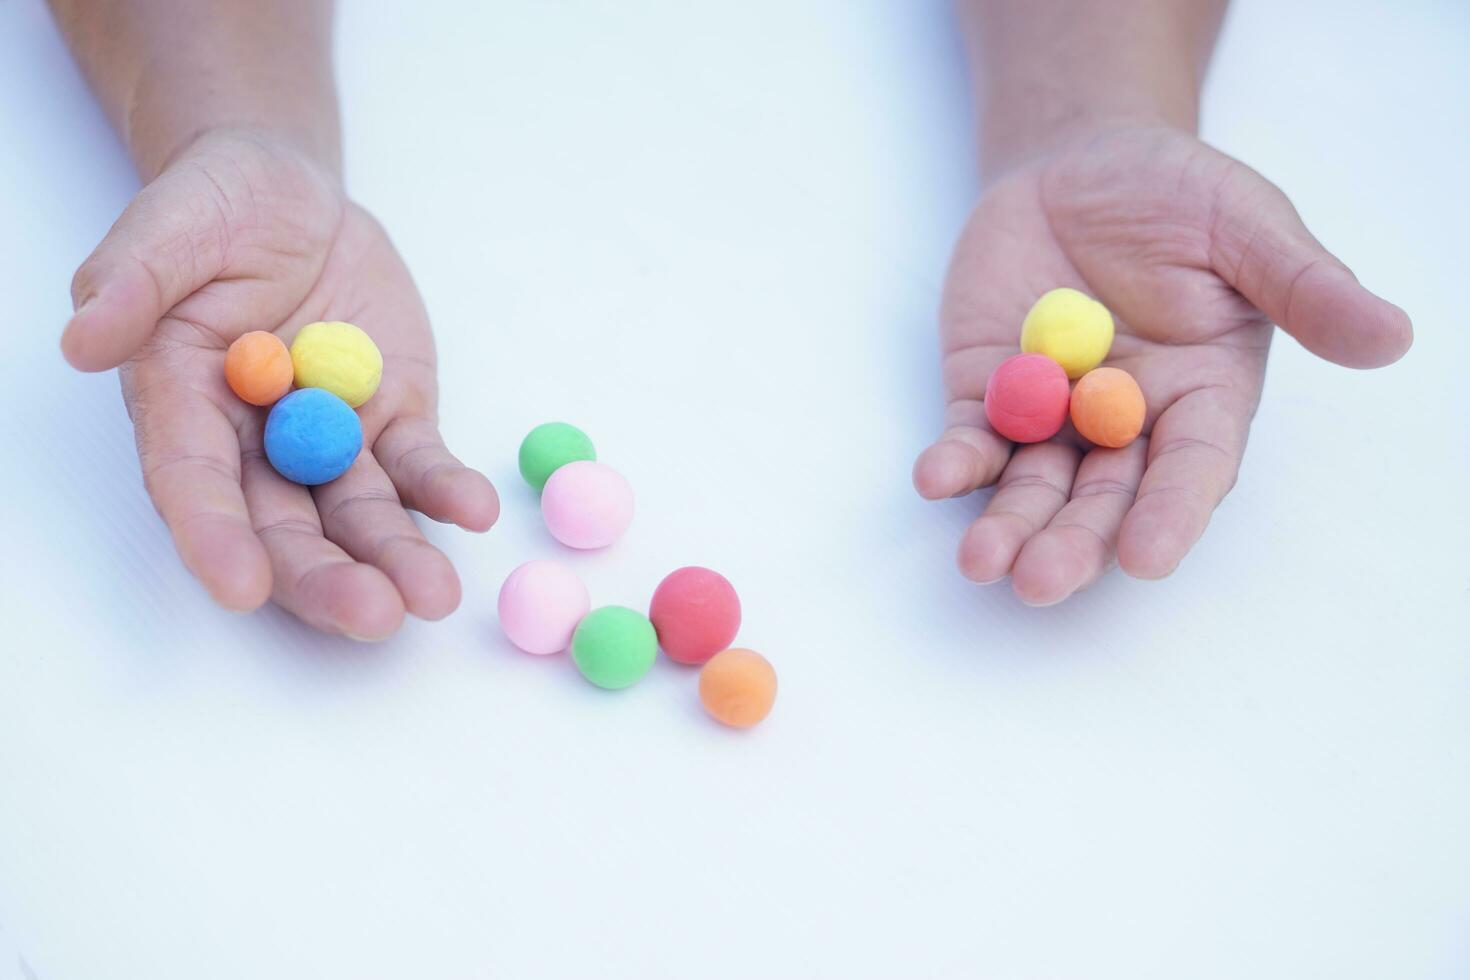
541	604
587	504
1026	398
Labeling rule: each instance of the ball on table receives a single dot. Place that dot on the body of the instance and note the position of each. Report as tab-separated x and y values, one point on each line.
549	447
696	614
1069	327
339	357
587	504
541	604
1026	398
614	646
1108	407
312	436
738	687
258	368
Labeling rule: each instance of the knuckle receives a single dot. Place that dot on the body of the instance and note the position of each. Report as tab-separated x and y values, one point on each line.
1104	488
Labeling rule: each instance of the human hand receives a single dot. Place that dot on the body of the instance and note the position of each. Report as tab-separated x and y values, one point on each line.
241	232
1196	255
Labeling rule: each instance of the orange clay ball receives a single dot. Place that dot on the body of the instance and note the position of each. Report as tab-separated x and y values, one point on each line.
1108	407
738	687
258	368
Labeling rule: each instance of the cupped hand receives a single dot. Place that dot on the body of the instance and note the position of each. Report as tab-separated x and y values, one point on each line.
1197	256
242	233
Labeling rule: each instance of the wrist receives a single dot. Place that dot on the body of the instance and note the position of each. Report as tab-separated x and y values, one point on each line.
1011	140
1052	73
155	152
159	127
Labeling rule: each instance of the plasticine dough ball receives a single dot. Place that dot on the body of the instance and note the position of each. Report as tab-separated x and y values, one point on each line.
551	446
1069	327
540	605
738	687
1108	407
614	646
312	436
258	368
696	613
587	504
1026	398
338	357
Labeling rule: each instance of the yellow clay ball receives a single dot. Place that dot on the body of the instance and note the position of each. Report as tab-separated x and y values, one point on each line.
338	357
1069	327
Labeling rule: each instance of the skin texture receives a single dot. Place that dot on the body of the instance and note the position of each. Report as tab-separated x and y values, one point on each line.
272	241
1195	254
228	111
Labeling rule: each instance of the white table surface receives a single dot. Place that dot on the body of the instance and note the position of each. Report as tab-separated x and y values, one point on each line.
713	234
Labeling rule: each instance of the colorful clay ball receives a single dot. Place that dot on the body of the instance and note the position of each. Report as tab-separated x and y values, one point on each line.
312	436
541	604
338	357
258	368
738	687
696	613
1026	398
1069	327
587	505
1108	407
549	447
614	646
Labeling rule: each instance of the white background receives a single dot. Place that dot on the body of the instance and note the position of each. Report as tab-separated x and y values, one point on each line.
713	235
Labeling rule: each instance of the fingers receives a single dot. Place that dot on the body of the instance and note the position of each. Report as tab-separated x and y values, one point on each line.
169	242
360	511
429	479
191	467
1077	546
967	455
314	578
1035	486
1054	526
1260	246
1193	457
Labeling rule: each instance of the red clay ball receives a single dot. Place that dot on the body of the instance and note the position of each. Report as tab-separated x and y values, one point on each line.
1026	398
696	613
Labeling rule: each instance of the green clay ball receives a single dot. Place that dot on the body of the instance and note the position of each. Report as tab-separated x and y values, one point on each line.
551	446
614	646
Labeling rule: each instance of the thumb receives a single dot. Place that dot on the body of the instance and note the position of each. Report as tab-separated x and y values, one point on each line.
170	241
1261	247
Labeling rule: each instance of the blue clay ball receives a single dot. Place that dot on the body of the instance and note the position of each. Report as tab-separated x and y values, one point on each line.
312	436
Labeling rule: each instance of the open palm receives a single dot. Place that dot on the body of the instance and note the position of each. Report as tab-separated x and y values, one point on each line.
1196	255
240	234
